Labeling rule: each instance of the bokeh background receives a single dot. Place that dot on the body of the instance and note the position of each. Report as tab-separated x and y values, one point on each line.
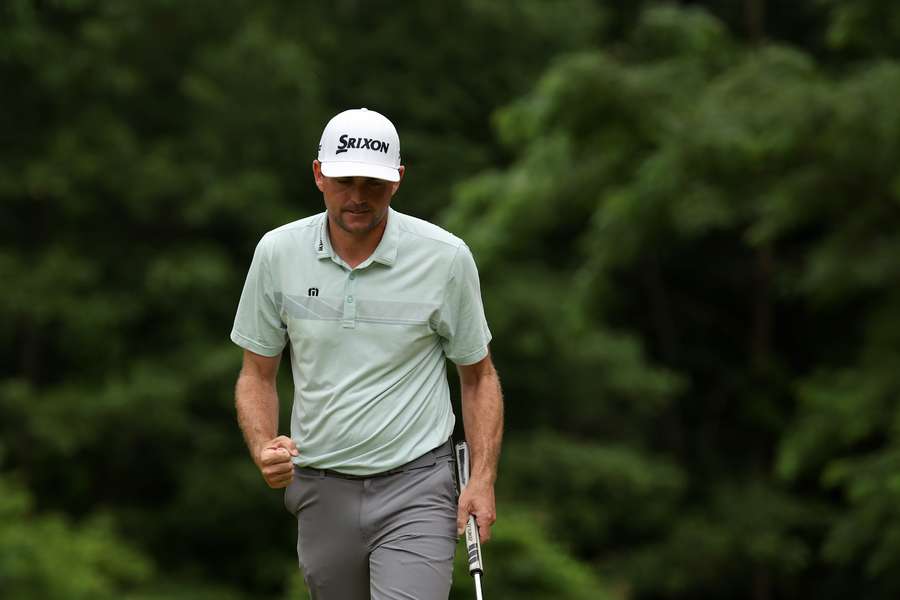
687	222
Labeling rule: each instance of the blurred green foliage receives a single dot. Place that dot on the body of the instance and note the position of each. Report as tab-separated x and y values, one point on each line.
45	556
686	222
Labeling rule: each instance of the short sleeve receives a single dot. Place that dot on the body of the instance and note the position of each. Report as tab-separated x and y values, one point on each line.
258	326
461	323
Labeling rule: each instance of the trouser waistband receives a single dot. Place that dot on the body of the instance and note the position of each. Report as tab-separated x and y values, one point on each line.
428	459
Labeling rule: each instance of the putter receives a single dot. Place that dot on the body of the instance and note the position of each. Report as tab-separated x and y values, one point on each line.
473	543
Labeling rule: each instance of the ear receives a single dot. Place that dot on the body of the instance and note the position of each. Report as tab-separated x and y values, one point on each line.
317	175
396	185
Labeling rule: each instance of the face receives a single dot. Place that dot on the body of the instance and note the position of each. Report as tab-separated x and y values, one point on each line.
357	205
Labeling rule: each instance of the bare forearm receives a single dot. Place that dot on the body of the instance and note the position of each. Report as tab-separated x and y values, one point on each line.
482	410
256	401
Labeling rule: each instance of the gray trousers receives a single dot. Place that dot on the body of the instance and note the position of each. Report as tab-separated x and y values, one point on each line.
389	536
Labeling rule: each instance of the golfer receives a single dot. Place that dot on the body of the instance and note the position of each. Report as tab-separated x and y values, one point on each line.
371	302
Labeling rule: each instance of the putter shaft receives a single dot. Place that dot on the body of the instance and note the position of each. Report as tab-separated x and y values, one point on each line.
473	541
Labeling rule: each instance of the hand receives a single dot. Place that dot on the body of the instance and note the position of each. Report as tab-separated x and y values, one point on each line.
274	461
477	499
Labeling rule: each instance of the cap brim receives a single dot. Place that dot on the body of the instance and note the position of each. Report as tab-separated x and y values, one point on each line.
358	169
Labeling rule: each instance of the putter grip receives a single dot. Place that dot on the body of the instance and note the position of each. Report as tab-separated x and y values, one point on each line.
473	543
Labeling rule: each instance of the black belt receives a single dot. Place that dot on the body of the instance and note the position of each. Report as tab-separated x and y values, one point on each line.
428	459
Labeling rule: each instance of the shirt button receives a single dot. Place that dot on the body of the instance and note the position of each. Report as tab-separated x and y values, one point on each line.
352	275
350	299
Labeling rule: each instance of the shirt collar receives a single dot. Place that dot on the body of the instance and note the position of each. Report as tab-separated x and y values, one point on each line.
386	251
322	243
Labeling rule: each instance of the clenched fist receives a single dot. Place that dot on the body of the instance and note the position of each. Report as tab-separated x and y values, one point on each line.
477	499
274	461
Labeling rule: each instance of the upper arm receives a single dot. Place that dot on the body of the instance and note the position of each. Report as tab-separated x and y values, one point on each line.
258	325
259	366
472	374
461	324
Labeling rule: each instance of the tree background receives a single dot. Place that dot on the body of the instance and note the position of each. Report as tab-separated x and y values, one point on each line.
687	222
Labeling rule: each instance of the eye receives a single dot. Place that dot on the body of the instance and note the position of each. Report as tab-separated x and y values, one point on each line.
344	180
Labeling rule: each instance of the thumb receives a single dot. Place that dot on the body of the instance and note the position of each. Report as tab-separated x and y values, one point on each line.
462	517
282	441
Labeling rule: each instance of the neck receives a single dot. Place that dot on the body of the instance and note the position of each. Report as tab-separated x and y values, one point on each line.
354	248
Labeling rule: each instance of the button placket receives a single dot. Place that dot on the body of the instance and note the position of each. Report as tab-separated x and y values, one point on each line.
349	318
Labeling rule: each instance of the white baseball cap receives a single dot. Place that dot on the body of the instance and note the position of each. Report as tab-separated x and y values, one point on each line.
360	143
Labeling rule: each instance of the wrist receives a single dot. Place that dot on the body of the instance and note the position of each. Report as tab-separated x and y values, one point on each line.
256	450
482	479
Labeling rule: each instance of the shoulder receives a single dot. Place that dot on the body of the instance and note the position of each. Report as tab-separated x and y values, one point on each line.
286	237
421	232
427	243
306	225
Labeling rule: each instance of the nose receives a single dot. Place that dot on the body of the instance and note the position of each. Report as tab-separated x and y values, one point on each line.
356	194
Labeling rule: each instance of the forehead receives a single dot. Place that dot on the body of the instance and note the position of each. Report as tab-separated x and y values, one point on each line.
359	180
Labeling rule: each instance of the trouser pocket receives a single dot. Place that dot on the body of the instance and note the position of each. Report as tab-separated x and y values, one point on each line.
299	492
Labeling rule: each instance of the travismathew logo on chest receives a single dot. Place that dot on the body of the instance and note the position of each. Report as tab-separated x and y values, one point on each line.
358	143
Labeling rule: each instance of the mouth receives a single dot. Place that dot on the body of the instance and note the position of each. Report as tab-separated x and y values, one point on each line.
356	211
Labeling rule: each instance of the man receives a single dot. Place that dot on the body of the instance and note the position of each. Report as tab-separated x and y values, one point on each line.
371	301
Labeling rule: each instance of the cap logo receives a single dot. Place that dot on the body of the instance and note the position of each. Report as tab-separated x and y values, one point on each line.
356	143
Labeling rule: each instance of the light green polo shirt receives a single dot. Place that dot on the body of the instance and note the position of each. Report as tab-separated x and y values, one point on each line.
368	345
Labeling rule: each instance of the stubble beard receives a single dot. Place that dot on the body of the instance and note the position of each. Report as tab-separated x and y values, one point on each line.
375	221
